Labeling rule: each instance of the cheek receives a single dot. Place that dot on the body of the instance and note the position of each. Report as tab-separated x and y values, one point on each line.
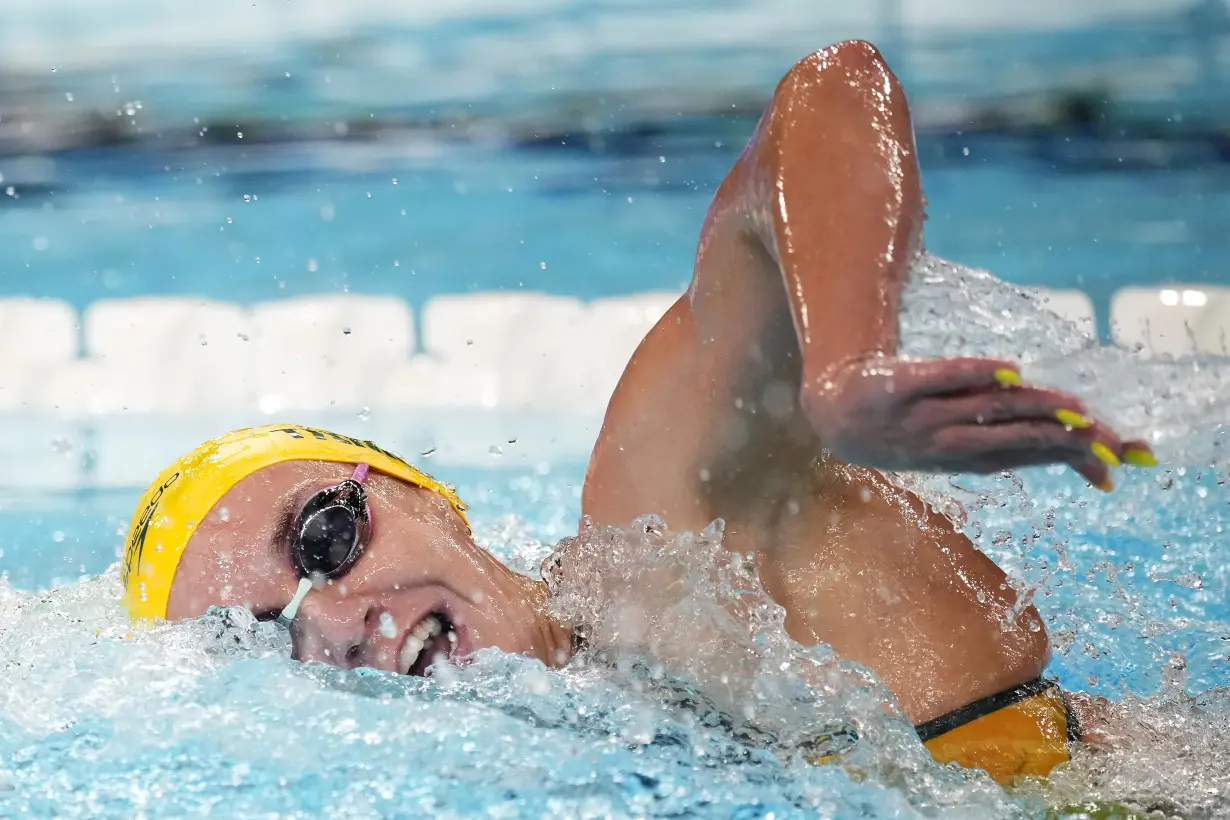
239	577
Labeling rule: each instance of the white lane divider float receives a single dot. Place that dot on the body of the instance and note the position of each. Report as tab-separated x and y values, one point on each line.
106	398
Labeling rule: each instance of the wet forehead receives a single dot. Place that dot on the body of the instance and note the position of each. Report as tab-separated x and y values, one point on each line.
249	510
231	558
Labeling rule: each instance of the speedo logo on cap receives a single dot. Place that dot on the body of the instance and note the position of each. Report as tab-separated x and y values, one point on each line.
136	543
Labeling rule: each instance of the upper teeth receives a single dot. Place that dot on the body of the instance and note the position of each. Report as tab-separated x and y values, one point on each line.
417	639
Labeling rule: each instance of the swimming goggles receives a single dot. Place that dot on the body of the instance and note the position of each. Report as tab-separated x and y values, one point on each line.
332	531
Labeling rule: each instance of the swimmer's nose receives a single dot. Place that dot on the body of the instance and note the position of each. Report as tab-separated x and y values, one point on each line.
336	631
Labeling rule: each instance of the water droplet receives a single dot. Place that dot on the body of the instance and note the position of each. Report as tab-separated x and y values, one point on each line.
365	414
542	265
495	450
388	626
61	445
224	513
312	266
40	243
57	536
68	95
1190	580
345	331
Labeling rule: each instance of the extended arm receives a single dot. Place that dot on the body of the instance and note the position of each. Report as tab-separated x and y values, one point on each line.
791	321
830	190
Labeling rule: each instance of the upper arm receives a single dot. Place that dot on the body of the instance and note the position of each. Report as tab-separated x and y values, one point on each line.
844	210
800	261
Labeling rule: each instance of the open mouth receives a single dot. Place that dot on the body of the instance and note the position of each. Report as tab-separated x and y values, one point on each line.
433	640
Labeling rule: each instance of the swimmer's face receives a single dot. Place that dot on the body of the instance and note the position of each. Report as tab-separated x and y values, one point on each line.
421	581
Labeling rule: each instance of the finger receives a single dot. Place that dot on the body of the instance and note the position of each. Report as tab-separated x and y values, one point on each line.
1033	443
1135	452
1096	472
1106	446
1013	440
1138	454
940	376
995	406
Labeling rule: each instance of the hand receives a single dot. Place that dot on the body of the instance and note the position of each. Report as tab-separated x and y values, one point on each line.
962	416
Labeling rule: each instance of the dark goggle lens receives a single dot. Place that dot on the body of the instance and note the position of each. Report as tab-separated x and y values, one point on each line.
332	532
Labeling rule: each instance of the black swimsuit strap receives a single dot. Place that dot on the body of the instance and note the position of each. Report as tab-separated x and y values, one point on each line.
981	708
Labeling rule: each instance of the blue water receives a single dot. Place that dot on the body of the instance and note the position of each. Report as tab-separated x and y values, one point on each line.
252	224
199	719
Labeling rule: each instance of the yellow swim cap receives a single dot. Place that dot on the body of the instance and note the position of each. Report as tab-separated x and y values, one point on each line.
184	493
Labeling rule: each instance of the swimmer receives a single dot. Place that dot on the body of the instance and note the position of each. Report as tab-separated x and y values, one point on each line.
770	395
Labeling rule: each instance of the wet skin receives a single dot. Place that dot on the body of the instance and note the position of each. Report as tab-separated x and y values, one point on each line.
783	352
769	396
420	559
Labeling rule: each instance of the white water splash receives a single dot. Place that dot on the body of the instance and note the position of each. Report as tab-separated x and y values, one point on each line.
699	613
1178	405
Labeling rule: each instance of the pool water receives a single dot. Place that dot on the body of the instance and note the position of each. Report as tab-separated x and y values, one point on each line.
421	218
210	718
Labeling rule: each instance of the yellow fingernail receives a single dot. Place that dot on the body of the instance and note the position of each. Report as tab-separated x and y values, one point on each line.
1139	458
1104	453
1106	486
1008	378
1069	418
